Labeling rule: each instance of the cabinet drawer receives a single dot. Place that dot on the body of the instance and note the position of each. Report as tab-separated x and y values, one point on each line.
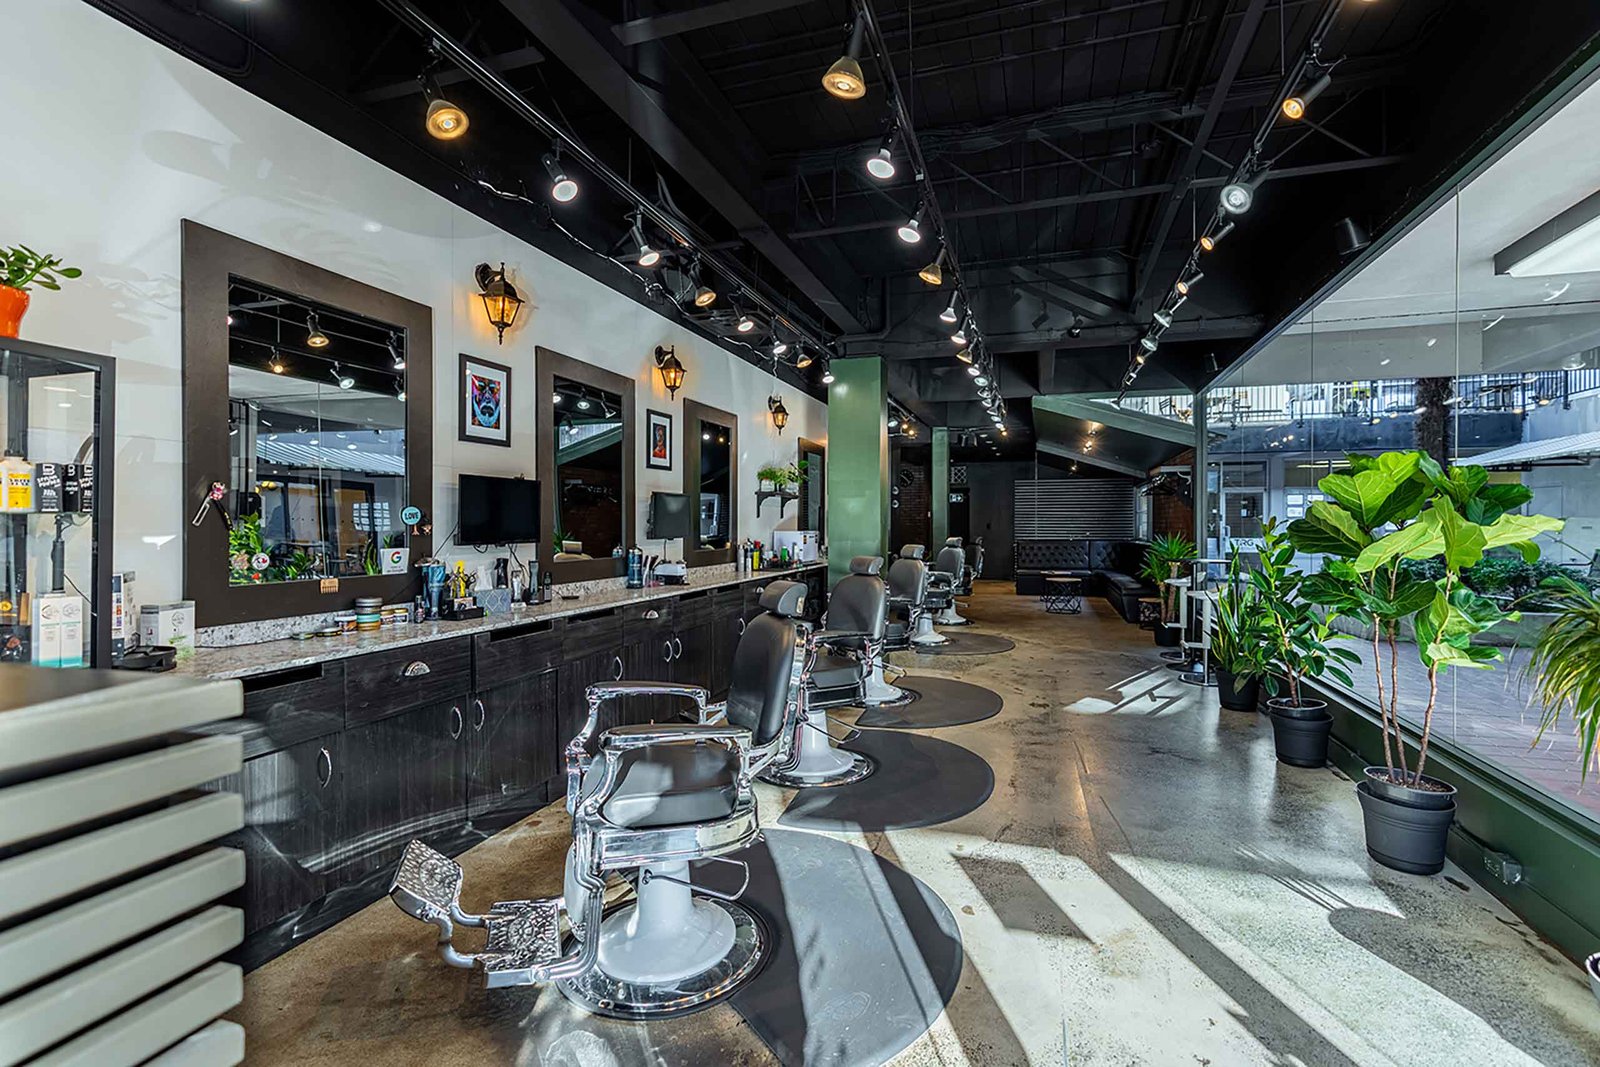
283	708
693	609
516	652
728	601
640	620
386	682
590	630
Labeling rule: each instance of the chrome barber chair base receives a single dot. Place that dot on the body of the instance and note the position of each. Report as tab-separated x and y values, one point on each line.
950	617
604	994
879	693
925	633
851	767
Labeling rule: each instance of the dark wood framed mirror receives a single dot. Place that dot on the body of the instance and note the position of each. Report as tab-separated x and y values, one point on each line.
813	465
585	459
711	482
309	397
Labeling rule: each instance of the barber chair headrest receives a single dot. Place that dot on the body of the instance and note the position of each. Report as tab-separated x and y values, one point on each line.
866	565
952	542
911	552
787	599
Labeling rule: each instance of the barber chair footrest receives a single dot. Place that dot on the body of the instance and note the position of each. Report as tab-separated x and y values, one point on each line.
523	934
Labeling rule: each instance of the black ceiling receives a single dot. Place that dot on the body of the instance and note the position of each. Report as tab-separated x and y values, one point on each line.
1060	137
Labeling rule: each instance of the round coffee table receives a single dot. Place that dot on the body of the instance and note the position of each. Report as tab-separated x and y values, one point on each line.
1063	596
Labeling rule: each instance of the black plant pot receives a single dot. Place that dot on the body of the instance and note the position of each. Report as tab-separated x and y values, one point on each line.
1235	693
1167	636
1300	732
1440	796
1404	837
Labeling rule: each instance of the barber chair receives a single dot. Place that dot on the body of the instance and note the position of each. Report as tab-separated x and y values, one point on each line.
840	659
919	615
948	579
908	602
974	564
648	799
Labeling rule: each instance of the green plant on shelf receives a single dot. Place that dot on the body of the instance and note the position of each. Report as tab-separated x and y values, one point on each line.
1298	636
1405	535
1565	667
781	476
23	268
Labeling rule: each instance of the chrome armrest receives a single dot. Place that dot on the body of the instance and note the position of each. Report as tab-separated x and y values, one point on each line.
579	758
844	638
623	738
711	714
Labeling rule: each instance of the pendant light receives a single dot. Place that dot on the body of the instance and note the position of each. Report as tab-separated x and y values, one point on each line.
844	79
314	335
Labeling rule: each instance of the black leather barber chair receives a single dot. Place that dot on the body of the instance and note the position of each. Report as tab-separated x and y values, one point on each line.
839	661
908	600
974	553
647	799
948	579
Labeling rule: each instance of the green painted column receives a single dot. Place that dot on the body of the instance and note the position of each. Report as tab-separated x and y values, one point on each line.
858	462
941	490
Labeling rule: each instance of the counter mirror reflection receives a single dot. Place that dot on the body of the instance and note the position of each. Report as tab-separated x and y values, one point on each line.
587	508
716	484
316	437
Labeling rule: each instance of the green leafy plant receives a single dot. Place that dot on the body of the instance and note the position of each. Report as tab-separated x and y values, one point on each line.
1297	635
1447	518
1565	666
1239	642
24	268
1159	558
781	476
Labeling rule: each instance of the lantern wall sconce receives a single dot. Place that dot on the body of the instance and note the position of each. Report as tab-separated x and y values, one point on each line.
501	302
672	371
780	414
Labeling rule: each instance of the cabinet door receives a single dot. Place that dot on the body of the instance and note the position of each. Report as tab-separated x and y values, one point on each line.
697	656
574	678
404	777
512	745
648	657
291	827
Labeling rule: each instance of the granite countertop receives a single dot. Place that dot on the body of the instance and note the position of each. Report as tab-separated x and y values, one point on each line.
240	661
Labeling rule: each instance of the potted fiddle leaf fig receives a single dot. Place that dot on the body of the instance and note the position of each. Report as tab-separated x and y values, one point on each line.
1299	639
21	268
1385	512
1164	559
1239	651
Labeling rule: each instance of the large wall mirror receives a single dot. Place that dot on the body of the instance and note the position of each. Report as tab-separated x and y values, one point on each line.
812	463
308	396
711	481
585	460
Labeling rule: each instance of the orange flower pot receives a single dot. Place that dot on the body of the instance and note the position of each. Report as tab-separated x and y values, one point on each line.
13	305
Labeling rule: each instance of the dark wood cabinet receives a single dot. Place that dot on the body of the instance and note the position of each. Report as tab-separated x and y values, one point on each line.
292	827
513	746
403	779
287	707
383	683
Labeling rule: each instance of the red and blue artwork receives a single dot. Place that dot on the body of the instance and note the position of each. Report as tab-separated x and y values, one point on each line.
485	402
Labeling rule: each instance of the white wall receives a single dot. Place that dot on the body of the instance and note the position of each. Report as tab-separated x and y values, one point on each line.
121	138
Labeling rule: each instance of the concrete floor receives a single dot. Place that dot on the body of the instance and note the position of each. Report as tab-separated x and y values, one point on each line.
1147	885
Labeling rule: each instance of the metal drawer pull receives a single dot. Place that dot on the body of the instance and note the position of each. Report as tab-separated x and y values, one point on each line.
741	627
483	715
616	670
666	651
652	614
416	669
457	722
324	758
678	652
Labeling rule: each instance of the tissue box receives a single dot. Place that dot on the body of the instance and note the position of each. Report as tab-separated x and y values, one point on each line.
168	624
493	601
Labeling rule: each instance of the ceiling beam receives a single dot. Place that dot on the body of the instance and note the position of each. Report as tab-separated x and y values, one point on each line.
504	63
1074	285
1134	192
1099	459
1243	37
593	61
656	27
1026	283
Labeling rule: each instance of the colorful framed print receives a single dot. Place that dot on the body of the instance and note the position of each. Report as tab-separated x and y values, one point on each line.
658	440
485	404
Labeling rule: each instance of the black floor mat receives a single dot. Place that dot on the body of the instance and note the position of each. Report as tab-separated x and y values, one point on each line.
919	781
862	960
962	643
939	702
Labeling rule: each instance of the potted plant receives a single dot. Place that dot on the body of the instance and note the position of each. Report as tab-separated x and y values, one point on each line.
1239	651
21	268
1565	668
1297	638
1451	516
773	477
1164	559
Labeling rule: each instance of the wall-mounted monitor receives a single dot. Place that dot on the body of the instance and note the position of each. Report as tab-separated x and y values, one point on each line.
669	517
497	511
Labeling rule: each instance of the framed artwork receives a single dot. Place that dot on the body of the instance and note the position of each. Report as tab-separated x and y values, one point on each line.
658	440
485	405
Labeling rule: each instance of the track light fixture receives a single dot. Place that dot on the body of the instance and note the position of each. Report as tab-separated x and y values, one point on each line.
444	121
965	355
1295	105
881	163
911	231
648	257
704	295
344	380
1148	343
844	79
1163	319
400	391
949	313
1239	196
275	362
1076	329
779	346
1185	285
1209	242
746	323
314	335
960	336
933	273
562	188
395	357
804	360
974	370
827	376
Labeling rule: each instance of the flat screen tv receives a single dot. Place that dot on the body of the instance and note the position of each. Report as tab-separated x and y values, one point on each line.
498	511
669	517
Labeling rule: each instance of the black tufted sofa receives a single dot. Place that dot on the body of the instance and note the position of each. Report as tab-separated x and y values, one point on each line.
1108	568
